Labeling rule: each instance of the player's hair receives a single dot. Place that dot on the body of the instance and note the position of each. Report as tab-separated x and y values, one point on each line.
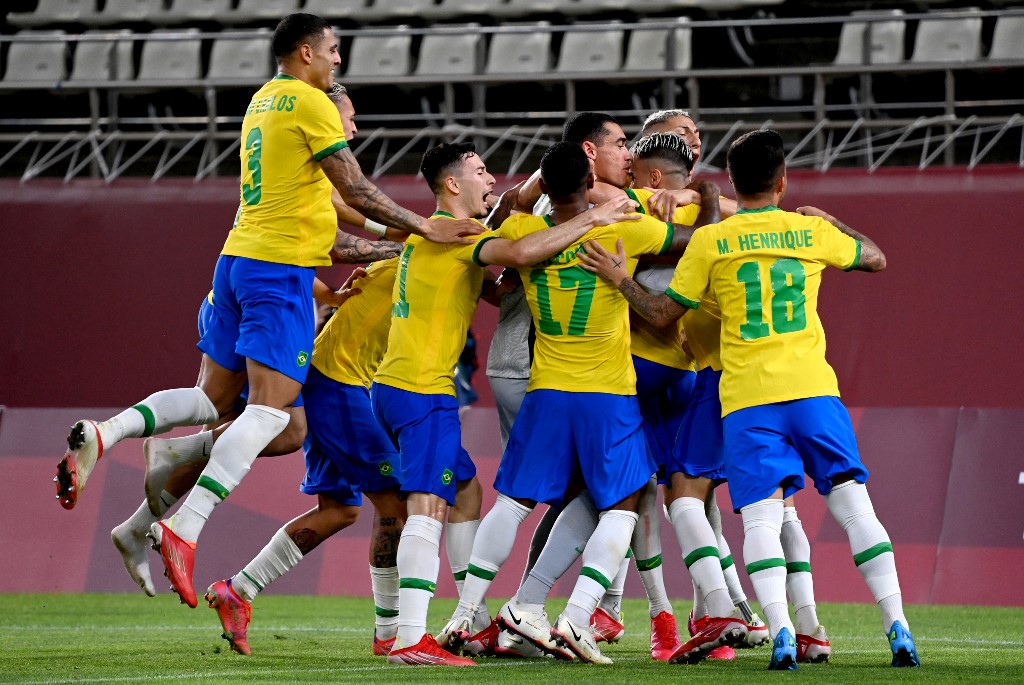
337	92
564	169
439	160
755	161
296	29
669	148
587	126
661	116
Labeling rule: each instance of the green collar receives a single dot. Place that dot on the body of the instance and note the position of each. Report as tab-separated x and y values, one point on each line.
284	77
440	213
549	220
759	210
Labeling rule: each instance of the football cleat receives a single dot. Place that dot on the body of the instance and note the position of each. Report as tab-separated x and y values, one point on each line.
606	628
132	545
579	640
757	633
234	614
532	625
712	633
382	646
664	636
904	652
783	652
85	447
691	625
723	653
484	642
813	649
514	646
179	559
455	633
427	652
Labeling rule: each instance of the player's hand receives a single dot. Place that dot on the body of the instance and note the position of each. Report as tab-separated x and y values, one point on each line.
614	211
347	289
611	267
452	231
663	202
814	211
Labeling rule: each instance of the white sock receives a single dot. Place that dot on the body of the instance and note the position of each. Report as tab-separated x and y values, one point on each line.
187	449
493	544
872	551
230	460
458	545
611	602
568	537
766	564
732	578
167	501
159	413
418	559
602	557
384	582
646	547
700	553
799	582
279	556
700	607
142	519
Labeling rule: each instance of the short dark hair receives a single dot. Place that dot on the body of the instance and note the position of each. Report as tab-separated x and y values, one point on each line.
755	161
564	169
441	158
296	29
587	126
670	148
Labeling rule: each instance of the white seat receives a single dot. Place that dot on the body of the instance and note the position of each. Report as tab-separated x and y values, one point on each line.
591	51
336	9
119	11
450	54
1008	39
171	60
261	9
520	53
885	39
53	12
190	10
648	47
42	61
380	55
241	58
948	40
95	60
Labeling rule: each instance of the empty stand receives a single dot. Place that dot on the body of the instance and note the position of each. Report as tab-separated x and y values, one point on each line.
125	11
337	9
37	61
196	10
106	60
450	54
1008	39
454	8
399	9
591	51
380	55
520	53
171	60
948	40
248	10
54	12
648	48
241	58
884	39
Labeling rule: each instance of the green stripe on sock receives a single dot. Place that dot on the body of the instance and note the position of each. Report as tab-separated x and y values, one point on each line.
459	575
629	552
727	562
416	584
648	564
798	567
385	613
253	581
481	572
594	574
872	552
147	416
698	554
213	486
764	565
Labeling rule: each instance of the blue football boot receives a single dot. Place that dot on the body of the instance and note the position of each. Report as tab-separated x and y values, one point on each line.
783	652
904	653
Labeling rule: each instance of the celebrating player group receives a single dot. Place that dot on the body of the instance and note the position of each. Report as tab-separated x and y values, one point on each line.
653	335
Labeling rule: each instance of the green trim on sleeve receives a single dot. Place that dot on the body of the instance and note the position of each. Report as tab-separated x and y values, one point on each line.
668	238
685	301
632	196
476	250
856	259
323	154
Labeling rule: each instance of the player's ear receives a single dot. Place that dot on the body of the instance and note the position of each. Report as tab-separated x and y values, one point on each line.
656	178
452	185
543	186
590	149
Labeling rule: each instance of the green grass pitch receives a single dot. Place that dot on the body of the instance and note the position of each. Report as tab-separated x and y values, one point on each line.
98	638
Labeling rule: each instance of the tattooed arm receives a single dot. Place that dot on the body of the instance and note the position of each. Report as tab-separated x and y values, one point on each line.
349	249
871	258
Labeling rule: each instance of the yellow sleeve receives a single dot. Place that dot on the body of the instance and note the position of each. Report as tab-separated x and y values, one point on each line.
686	215
690	280
645	236
320	122
838	249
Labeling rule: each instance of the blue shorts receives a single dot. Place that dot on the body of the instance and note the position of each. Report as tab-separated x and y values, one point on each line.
205	316
698	450
261	311
664	392
347	452
772	445
558	432
428	434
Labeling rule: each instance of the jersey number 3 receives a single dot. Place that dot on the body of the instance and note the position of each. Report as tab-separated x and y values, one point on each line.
788	311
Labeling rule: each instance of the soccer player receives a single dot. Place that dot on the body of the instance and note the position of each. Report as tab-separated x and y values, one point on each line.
293	149
413	394
780	399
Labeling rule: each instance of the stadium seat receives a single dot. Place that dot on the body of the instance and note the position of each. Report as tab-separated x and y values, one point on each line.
520	7
337	9
520	53
171	60
398	9
53	12
380	55
647	48
196	10
948	40
123	11
450	54
248	10
885	39
37	61
1008	39
95	60
455	8
241	58
591	50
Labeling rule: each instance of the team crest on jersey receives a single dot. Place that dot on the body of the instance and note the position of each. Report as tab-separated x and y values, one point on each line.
385	468
302	358
446	477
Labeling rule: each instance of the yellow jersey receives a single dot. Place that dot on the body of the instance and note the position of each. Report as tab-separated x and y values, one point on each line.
433	302
286	215
763	267
703	330
353	341
582	321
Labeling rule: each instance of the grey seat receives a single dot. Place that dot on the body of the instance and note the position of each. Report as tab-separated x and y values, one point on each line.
37	61
1008	39
520	53
380	55
120	11
948	40
337	9
884	39
241	58
106	60
450	54
261	9
192	10
584	51
53	12
647	49
171	60
455	8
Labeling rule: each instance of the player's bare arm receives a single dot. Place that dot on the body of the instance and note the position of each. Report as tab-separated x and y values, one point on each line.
661	310
350	249
871	258
360	193
506	204
709	214
347	215
664	201
323	294
602	192
529	193
549	242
